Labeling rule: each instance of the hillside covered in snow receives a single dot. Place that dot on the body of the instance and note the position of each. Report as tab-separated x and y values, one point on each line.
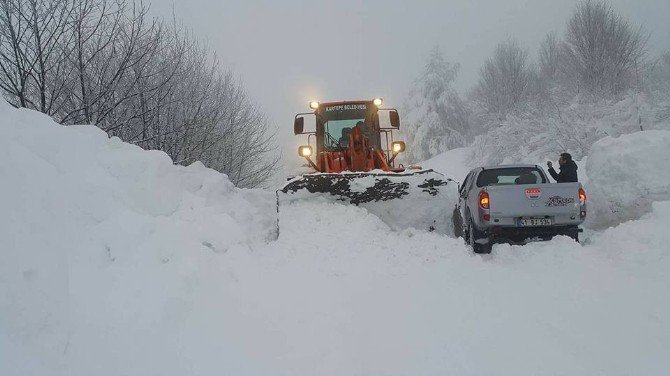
114	261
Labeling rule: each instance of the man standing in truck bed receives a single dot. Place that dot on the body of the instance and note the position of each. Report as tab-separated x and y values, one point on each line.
568	169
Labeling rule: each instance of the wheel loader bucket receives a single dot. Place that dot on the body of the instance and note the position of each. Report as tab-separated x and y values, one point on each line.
423	199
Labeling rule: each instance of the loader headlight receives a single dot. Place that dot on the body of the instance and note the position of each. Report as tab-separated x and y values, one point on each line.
313	105
378	102
398	147
305	151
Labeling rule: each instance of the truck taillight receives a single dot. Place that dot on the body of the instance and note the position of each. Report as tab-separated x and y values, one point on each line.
582	196
484	201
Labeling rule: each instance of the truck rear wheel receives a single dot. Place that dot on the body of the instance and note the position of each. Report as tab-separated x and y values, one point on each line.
573	232
457	223
479	240
575	236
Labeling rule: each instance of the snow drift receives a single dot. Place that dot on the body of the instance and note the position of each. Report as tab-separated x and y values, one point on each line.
626	174
100	238
453	163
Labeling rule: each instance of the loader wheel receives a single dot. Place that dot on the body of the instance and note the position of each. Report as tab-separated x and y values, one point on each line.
479	240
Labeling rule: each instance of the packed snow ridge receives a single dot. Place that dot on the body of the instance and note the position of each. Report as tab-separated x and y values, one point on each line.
113	261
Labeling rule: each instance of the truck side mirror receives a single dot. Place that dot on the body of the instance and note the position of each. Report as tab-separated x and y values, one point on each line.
298	125
395	119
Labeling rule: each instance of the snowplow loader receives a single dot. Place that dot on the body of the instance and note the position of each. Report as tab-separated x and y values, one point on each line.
354	162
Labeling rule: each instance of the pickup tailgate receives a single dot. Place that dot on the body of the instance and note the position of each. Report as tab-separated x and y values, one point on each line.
534	200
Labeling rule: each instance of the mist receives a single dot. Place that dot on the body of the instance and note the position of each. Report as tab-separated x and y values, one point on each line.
289	52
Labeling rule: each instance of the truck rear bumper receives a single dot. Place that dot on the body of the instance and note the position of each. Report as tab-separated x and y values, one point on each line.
520	234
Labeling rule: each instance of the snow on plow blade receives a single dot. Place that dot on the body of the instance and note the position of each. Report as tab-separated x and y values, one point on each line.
422	199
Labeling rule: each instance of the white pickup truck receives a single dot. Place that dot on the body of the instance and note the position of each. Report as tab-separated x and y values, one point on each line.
514	203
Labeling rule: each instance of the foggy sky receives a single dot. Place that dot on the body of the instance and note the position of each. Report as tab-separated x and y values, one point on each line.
288	52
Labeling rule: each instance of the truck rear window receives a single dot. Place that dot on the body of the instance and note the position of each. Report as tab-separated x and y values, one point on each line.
510	176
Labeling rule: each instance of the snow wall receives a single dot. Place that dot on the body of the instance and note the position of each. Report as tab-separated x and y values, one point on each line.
626	174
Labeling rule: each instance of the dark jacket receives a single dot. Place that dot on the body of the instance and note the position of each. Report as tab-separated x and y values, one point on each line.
568	173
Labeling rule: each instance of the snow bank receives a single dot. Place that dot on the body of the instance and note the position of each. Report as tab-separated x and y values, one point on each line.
100	244
622	175
626	174
454	163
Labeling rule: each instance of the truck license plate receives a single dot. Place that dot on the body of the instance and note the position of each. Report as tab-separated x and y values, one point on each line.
529	222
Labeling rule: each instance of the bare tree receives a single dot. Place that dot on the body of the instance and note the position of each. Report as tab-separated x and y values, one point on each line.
50	24
34	37
14	60
504	80
602	52
114	47
191	108
548	57
106	62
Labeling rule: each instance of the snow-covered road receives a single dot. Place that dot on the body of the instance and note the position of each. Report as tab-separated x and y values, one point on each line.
416	303
115	262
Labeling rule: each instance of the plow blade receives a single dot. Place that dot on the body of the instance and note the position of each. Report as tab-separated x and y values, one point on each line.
422	199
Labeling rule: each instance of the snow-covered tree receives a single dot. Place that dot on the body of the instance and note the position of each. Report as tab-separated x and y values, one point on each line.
435	117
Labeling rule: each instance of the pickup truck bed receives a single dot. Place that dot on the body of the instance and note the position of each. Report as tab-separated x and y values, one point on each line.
556	203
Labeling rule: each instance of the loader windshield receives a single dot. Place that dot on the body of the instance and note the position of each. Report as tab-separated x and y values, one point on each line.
337	132
340	119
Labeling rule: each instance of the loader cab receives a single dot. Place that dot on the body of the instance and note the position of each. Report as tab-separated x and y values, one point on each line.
336	120
337	124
